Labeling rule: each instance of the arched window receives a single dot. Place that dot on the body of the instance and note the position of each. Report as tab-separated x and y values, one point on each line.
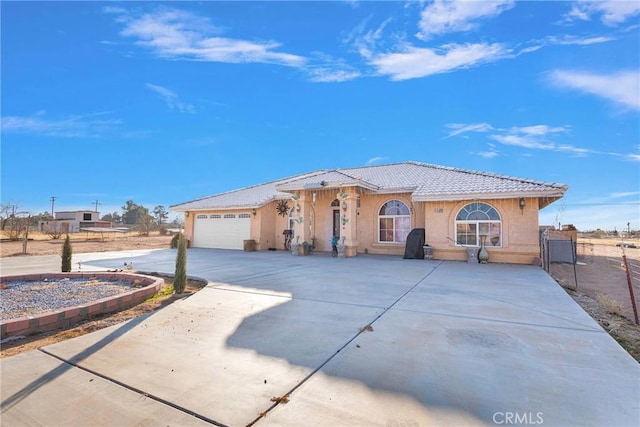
394	222
476	219
335	203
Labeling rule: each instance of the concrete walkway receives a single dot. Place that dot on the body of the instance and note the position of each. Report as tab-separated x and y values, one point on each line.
366	341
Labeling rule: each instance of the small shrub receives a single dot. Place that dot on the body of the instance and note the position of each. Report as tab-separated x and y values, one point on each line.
175	239
180	281
611	305
67	253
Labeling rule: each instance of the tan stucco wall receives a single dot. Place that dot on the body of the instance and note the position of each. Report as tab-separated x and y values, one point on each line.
519	227
519	231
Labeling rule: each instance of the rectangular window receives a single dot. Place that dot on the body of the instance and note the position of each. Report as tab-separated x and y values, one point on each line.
244	216
466	234
402	228
201	217
386	229
229	215
214	216
86	217
493	234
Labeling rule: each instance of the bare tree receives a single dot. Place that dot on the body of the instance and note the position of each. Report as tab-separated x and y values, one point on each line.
54	230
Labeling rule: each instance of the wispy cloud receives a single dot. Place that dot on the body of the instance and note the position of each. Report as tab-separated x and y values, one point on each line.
400	58
534	137
414	62
176	34
624	194
611	12
572	40
327	69
622	88
374	160
460	128
171	99
72	126
445	16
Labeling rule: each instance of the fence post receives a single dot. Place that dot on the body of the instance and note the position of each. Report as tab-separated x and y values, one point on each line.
630	284
574	253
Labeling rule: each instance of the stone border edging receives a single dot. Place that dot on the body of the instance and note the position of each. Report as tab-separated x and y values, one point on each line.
64	317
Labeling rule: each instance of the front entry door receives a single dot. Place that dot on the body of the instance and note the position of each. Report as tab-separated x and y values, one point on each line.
336	222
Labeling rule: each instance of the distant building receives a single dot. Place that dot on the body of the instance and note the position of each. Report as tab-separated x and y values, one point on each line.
73	222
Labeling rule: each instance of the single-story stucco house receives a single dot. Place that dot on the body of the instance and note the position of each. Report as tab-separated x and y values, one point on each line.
372	209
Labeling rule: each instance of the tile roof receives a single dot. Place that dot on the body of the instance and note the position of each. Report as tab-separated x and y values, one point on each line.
426	182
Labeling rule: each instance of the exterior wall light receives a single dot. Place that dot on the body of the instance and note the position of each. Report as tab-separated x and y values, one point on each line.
344	206
186	214
254	211
522	204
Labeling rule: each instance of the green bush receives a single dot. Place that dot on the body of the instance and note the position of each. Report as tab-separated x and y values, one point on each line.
180	280
67	253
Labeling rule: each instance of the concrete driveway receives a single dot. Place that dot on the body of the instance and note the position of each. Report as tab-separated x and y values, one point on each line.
277	340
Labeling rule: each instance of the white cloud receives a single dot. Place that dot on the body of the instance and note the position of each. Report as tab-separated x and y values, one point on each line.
625	194
539	129
171	98
173	33
74	126
569	40
488	154
445	16
374	160
328	75
534	137
622	88
365	43
327	69
612	12
415	62
522	141
460	128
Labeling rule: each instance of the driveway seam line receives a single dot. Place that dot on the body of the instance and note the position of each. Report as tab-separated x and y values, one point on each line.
136	390
360	332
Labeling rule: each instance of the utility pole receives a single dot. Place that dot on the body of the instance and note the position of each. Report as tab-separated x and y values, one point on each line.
53	201
628	229
96	203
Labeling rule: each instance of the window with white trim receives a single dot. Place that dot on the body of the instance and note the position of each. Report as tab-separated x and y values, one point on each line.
394	222
202	217
214	216
477	219
229	215
244	216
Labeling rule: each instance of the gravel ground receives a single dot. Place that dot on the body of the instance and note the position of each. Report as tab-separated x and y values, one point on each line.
28	298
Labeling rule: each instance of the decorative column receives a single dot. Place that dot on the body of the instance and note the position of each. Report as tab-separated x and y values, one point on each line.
348	217
302	211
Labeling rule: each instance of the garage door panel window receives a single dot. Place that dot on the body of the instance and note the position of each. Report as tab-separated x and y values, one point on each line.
394	222
477	219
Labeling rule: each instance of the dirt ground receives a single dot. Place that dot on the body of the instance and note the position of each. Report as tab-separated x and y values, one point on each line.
41	244
601	289
599	284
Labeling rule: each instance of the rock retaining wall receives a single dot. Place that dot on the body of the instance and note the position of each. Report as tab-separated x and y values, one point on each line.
58	319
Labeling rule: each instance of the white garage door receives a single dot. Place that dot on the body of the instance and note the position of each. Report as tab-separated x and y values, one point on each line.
221	231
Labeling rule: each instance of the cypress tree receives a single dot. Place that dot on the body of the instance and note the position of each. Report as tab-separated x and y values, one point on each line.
180	279
67	253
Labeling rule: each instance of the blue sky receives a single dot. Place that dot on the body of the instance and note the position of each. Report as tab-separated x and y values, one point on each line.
165	102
